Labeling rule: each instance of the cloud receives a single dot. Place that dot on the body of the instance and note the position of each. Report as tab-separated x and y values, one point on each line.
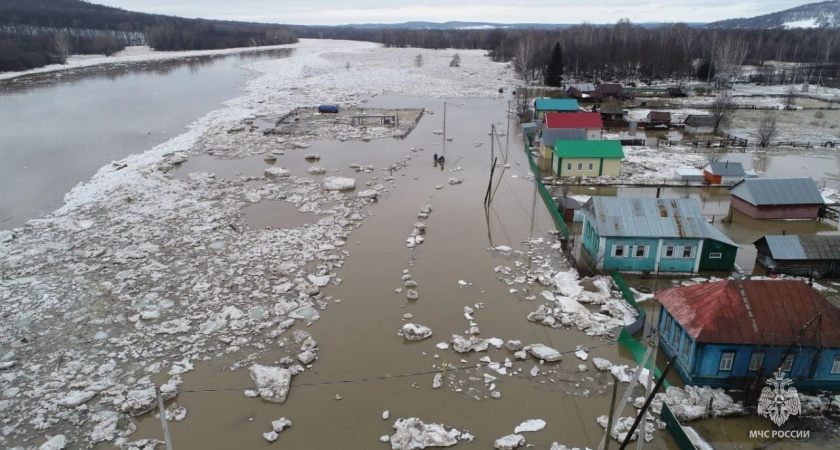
337	12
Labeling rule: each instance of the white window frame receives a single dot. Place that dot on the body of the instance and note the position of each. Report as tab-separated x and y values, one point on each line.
727	360
787	362
756	361
835	367
715	255
615	249
666	249
591	167
644	251
691	253
580	166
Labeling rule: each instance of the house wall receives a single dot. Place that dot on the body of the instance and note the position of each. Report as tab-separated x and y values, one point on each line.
677	263
611	167
775	211
725	262
591	240
630	262
711	179
593	134
675	341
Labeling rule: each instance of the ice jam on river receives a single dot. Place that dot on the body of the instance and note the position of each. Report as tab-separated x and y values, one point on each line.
142	275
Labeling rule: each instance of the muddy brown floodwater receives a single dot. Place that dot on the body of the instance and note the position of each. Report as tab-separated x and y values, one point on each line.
362	359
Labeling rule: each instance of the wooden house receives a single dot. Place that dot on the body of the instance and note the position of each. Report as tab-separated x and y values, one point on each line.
810	255
611	112
554	105
777	198
590	123
653	234
723	172
587	158
581	91
607	90
659	118
549	138
734	333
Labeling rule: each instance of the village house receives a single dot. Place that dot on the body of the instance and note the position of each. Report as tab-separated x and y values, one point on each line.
724	172
777	198
607	90
581	91
658	118
611	112
809	255
590	123
730	333
554	105
653	234
549	138
587	158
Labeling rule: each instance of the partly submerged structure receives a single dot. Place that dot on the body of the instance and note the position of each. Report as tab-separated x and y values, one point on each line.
810	256
589	159
556	105
777	198
653	234
733	333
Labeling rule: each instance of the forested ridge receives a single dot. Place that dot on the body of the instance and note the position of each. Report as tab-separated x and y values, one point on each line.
34	33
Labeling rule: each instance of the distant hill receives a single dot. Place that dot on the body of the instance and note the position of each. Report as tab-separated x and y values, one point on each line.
812	15
483	25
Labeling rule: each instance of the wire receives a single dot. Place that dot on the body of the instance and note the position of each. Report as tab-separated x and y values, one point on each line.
376	378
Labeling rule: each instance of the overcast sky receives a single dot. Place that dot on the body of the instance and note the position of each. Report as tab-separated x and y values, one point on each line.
337	12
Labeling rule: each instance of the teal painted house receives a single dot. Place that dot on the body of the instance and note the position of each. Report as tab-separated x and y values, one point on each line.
653	234
735	333
562	105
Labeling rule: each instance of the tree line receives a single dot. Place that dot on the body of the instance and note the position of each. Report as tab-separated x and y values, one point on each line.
622	51
35	33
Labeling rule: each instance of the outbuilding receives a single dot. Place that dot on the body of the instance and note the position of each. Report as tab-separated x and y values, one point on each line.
777	198
723	172
809	255
733	333
688	174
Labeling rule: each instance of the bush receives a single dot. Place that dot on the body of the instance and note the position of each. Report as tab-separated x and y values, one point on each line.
819	114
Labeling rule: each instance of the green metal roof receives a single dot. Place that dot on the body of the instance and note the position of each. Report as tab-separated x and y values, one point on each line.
588	149
556	104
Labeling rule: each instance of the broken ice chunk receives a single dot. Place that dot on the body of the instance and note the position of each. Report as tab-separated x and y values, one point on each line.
272	382
414	332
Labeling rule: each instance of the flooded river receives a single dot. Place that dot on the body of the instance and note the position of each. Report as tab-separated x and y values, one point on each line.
57	129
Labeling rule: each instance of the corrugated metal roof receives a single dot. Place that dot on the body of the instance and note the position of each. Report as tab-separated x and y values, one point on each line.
609	88
807	247
550	135
777	191
717	313
646	217
659	115
688	171
696	120
725	168
717	235
785	247
611	108
588	149
556	104
583	87
579	120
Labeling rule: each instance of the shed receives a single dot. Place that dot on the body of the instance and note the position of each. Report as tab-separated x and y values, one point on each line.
653	234
688	174
809	255
329	109
606	90
729	333
611	111
659	118
570	208
699	121
529	130
777	198
555	105
587	158
725	172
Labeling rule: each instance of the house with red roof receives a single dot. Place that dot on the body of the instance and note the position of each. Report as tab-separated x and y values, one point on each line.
735	333
590	123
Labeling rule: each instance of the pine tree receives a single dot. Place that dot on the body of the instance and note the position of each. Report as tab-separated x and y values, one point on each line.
554	71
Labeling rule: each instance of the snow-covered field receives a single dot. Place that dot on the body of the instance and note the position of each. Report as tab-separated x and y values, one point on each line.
142	275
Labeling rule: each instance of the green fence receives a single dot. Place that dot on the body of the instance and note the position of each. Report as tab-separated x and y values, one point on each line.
627	293
546	196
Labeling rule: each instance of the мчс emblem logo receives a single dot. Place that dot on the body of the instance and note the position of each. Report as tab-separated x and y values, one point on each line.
778	403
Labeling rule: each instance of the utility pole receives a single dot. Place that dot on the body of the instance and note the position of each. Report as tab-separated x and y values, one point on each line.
444	122
492	143
507	141
163	423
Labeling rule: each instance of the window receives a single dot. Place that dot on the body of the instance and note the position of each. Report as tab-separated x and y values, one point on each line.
618	251
726	360
591	167
569	166
835	368
676	338
640	251
756	361
667	324
787	364
580	166
715	255
688	251
669	251
686	348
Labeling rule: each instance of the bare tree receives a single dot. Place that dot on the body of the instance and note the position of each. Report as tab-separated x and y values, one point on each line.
526	57
790	97
722	109
418	61
62	44
347	65
766	129
521	102
456	61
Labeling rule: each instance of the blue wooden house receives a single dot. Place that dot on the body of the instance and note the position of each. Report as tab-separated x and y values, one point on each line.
556	105
733	333
653	234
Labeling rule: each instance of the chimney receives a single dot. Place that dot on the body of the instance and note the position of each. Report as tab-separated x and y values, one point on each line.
726	165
